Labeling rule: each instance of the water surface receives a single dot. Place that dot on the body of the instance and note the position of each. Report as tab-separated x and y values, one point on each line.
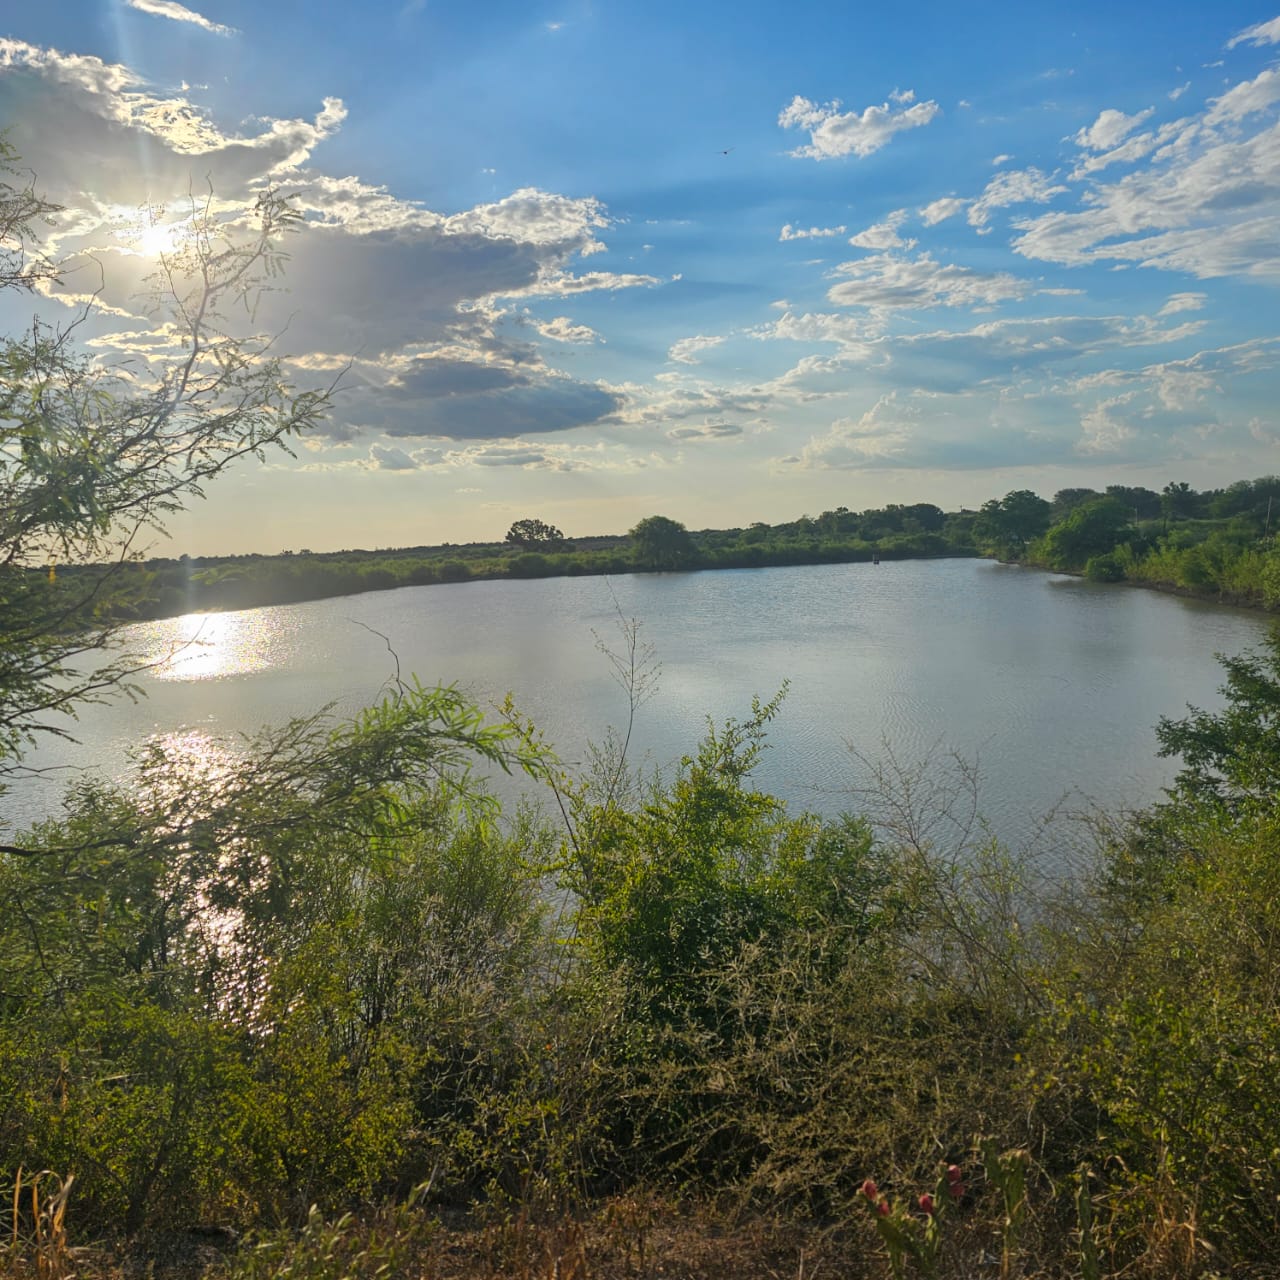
1051	684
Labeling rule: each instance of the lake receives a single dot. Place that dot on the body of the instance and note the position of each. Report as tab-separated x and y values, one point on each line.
1051	684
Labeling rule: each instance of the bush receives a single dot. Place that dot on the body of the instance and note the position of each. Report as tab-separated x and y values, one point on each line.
1105	568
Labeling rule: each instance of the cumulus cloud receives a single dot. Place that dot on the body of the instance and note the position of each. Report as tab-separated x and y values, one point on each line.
1245	99
1183	302
1178	383
1103	429
388	458
1203	201
1109	128
813	233
421	296
1258	34
554	283
465	399
178	13
99	136
1014	186
834	133
689	350
516	455
708	431
878	436
889	281
562	329
1133	148
940	210
883	235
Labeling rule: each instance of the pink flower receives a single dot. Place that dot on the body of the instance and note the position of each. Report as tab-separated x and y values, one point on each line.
926	1204
870	1190
883	1208
957	1190
953	1173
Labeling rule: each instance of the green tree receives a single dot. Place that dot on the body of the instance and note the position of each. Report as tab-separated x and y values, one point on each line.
1009	523
663	543
1231	758
1145	503
1065	501
536	535
1178	500
1092	529
91	457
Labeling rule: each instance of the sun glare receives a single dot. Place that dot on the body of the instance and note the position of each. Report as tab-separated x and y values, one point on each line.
147	234
155	239
207	646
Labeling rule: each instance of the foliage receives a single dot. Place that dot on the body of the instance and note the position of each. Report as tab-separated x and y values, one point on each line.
91	456
221	989
1093	528
662	543
1009	523
1231	758
536	535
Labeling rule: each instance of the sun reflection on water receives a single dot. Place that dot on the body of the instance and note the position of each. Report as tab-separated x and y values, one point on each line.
208	646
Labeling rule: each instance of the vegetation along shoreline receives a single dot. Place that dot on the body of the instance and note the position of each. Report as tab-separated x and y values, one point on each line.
1218	546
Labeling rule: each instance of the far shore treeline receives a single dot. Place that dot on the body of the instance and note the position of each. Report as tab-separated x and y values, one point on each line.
1218	544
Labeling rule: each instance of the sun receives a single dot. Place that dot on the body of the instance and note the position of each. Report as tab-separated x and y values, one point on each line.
153	239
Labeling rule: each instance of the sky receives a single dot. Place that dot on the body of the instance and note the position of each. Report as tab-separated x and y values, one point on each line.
589	261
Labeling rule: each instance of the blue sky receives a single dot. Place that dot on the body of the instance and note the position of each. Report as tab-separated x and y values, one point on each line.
591	262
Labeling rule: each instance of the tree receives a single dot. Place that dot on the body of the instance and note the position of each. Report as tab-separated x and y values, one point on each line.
92	456
1178	500
663	543
1009	523
532	535
1065	501
1231	758
1090	530
1145	503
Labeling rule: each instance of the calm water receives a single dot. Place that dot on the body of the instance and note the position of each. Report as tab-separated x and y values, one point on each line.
1052	684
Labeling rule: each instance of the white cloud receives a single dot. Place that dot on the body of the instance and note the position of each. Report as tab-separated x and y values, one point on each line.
879	435
179	13
1246	98
1175	94
939	210
1132	149
1183	302
1206	202
562	329
555	283
536	217
418	294
997	161
1103	429
889	281
1109	128
856	334
389	458
1014	186
883	235
834	133
813	233
1258	34
688	350
98	136
708	431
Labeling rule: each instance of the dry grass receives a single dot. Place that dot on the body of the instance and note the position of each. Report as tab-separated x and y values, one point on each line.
36	1244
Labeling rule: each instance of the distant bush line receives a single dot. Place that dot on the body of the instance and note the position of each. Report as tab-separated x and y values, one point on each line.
1217	544
168	587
